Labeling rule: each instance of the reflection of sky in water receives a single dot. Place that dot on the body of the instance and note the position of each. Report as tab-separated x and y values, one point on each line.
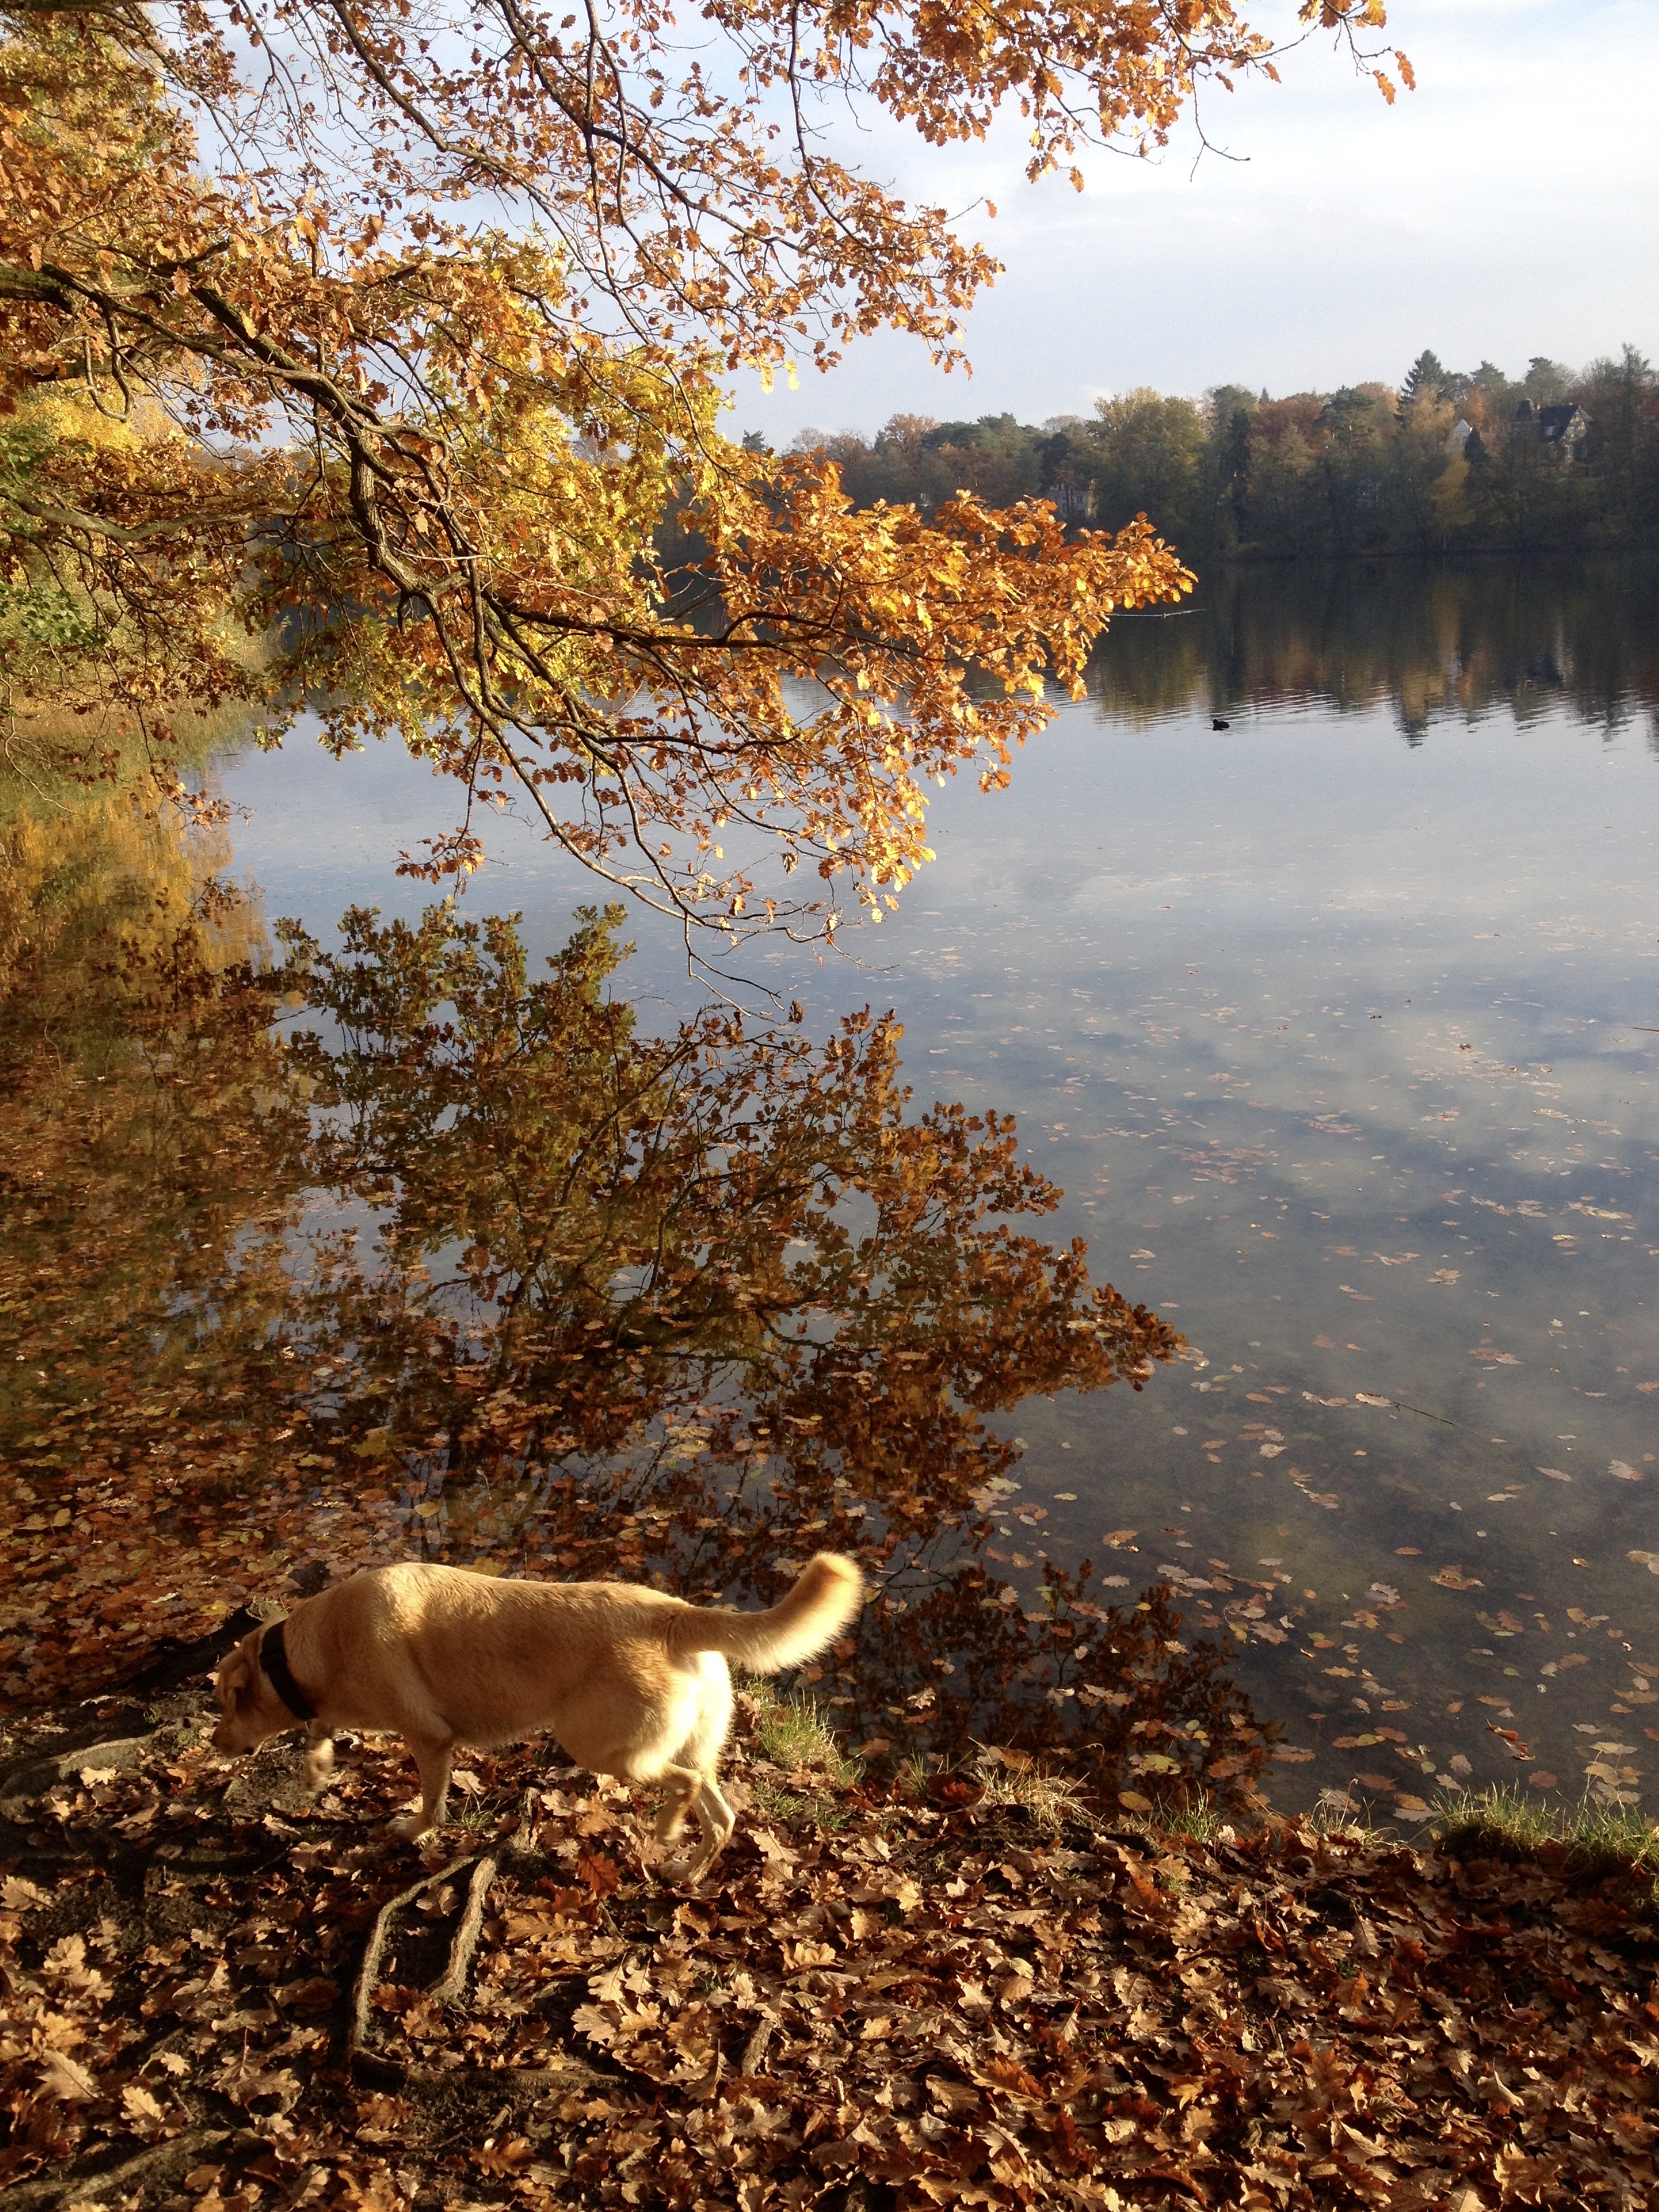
1343	1050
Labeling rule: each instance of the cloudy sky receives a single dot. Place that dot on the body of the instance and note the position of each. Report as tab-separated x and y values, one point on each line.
1509	207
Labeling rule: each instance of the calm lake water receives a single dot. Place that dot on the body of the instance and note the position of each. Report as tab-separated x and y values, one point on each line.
1336	1026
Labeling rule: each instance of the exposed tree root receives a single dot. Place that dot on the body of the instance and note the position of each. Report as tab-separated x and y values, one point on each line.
34	1776
450	1988
159	2162
368	1972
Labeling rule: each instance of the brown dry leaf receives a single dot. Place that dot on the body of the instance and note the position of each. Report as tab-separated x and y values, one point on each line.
140	2107
1282	2003
66	2078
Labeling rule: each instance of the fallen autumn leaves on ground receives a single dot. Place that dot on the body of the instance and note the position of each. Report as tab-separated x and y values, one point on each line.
225	1994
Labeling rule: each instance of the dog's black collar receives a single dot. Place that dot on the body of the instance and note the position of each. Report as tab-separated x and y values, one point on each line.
273	1657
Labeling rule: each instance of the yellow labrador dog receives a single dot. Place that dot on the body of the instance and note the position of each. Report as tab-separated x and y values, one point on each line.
630	1681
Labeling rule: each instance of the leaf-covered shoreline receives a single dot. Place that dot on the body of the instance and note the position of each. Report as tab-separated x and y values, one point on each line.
222	1993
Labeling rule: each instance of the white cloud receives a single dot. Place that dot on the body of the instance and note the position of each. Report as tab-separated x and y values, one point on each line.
1505	209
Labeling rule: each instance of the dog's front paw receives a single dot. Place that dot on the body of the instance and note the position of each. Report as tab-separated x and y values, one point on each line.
408	1826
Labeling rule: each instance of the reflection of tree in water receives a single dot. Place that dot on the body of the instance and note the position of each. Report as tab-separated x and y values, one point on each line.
686	1306
678	1307
152	1164
1440	641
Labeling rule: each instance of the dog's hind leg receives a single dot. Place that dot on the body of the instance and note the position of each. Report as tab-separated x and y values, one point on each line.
698	1760
717	1820
434	1755
682	1785
319	1754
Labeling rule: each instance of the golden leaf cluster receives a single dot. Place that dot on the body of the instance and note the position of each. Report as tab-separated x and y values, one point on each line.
394	342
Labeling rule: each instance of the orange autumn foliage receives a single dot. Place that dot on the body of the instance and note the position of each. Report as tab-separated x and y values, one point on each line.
396	346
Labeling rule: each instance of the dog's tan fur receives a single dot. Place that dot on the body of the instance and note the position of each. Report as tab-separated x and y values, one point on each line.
631	1682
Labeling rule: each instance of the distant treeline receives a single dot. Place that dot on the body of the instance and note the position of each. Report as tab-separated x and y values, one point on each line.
1440	642
1445	461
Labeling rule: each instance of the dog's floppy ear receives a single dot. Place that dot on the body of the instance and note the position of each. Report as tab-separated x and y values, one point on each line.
235	1681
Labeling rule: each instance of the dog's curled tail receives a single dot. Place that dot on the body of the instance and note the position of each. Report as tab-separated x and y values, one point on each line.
827	1593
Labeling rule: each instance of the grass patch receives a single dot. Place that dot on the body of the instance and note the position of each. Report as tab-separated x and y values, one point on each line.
1606	1836
791	1809
792	1732
1050	1799
1500	1822
1337	1813
476	1810
1196	1822
1509	1823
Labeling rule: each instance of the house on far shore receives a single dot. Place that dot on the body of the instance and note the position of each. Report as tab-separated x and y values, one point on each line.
1459	435
1563	426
